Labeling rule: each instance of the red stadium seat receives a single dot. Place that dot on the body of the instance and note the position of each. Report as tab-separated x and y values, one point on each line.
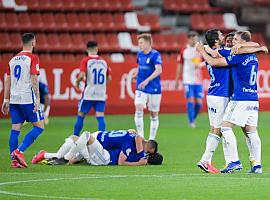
32	4
108	21
78	42
57	57
103	5
5	44
42	44
150	20
24	21
68	57
97	24
49	22
16	43
73	21
3	23
103	44
65	42
69	4
7	56
36	22
53	42
80	56
44	57
87	37
84	20
12	22
113	42
119	22
61	23
159	42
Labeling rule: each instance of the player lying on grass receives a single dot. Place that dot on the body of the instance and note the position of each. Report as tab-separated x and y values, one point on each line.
122	147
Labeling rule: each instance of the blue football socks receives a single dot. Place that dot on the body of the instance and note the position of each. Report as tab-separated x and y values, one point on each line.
78	126
101	123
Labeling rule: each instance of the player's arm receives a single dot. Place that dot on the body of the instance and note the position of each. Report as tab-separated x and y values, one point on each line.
80	78
156	73
212	52
217	62
238	46
122	160
47	102
139	143
255	49
109	76
35	86
5	105
179	71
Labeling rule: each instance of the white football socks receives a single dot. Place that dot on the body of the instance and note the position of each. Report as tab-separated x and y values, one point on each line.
153	127
255	142
225	151
64	148
248	142
211	145
231	143
138	118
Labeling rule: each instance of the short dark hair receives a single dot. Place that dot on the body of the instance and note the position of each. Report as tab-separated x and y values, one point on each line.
27	37
91	44
211	36
192	34
231	34
153	145
155	159
245	35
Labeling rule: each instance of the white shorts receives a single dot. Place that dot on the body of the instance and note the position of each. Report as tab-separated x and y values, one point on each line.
152	100
242	113
98	155
216	109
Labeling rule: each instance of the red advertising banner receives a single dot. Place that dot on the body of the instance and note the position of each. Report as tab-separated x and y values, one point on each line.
61	78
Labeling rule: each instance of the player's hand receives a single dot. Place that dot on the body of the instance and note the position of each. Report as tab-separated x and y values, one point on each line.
176	85
46	120
235	48
264	49
199	46
5	108
36	106
143	84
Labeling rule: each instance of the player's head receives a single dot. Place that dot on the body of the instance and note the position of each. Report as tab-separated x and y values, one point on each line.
192	38
29	40
151	146
228	39
214	37
241	37
144	41
92	47
155	159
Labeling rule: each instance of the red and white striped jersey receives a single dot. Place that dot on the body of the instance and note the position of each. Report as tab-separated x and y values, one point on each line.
97	71
20	69
189	57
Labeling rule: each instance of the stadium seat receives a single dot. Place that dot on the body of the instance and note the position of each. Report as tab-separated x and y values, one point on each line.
73	22
65	42
53	42
78	42
97	24
60	21
5	44
103	44
12	21
42	44
119	22
68	57
57	57
7	56
84	20
107	20
113	42
88	37
24	21
16	44
44	57
48	21
150	20
3	23
36	22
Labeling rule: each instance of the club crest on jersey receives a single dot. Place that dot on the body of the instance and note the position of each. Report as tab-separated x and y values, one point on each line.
128	151
37	67
148	60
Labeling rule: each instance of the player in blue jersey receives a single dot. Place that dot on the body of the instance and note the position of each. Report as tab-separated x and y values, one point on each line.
44	100
122	147
242	110
148	87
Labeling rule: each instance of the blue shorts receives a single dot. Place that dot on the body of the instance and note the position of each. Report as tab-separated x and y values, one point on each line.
195	91
24	112
86	105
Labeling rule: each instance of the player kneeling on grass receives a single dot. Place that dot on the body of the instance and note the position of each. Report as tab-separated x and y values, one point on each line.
122	147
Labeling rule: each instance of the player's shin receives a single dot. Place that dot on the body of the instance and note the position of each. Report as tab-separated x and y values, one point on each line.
138	118
231	143
190	111
101	123
251	154
30	138
211	145
13	140
256	146
78	146
198	107
78	126
225	151
153	127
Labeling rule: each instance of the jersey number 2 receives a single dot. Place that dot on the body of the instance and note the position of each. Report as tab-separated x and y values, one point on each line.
17	71
99	77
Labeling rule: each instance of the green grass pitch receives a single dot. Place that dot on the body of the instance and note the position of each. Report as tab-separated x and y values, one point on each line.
177	178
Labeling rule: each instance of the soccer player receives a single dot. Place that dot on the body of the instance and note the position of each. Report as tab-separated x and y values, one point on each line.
22	99
131	146
228	40
44	100
148	87
242	110
189	63
97	74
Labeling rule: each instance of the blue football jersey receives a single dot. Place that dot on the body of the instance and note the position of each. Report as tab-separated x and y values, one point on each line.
115	139
114	155
219	77
43	91
130	151
146	66
244	75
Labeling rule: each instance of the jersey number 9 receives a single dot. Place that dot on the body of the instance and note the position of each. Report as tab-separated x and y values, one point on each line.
17	71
